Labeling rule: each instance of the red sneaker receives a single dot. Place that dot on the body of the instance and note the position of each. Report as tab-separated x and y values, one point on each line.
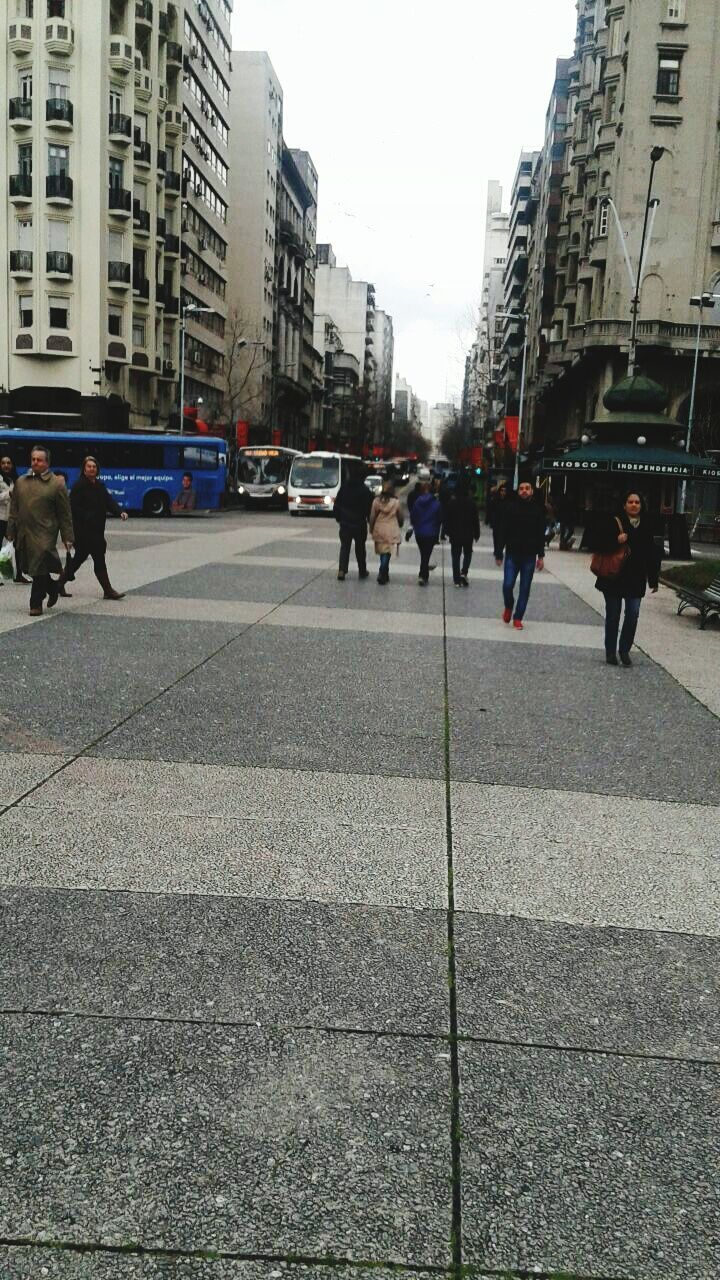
507	615
518	625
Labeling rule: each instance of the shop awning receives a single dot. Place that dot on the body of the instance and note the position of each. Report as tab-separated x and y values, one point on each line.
632	459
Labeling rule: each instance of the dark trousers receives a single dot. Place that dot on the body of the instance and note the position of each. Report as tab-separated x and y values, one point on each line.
84	549
348	535
514	565
40	589
498	548
458	549
613	609
566	532
384	571
425	544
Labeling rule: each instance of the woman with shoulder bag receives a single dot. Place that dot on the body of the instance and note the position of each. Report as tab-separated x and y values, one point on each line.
626	563
385	523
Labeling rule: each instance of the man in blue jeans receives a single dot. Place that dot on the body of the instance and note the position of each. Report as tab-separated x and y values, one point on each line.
522	538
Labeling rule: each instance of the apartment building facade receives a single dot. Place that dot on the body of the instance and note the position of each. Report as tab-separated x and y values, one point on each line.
483	401
511	331
98	210
345	323
296	390
642	77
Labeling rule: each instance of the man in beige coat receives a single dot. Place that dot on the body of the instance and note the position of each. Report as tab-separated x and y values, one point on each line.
39	511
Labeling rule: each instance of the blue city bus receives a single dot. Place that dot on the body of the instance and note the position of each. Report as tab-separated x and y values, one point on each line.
143	472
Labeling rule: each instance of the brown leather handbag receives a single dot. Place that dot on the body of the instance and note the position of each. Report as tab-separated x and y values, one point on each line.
608	564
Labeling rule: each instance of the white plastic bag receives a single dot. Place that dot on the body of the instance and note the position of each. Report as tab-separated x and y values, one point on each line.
6	560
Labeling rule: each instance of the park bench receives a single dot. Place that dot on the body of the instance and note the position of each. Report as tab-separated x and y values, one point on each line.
707	601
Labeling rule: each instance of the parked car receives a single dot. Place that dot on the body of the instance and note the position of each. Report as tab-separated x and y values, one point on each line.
374	483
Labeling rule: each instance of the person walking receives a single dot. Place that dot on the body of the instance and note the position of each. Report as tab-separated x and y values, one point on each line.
521	537
426	517
352	512
91	504
495	516
462	525
39	512
630	530
8	478
385	522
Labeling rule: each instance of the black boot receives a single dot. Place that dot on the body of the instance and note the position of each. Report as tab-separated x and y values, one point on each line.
108	592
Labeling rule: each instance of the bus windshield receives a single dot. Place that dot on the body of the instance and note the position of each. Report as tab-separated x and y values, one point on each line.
261	468
315	473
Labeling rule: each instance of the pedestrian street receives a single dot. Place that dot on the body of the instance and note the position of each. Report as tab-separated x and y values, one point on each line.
349	932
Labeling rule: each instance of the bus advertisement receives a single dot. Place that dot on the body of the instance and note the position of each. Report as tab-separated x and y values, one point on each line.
142	472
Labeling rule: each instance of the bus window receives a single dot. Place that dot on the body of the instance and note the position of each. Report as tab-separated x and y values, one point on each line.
196	458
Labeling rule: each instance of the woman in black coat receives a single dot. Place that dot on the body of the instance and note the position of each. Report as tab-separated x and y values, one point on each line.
630	528
91	504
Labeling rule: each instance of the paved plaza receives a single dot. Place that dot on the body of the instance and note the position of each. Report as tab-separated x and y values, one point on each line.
347	932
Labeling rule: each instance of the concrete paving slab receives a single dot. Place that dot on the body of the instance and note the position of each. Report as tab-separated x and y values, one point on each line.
35	1262
236	581
173	854
20	771
552	604
589	1165
528	981
236	614
119	541
224	960
284	795
679	892
614	823
96	671
226	1138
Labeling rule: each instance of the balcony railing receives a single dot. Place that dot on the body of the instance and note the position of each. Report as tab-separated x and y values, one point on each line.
119	126
119	199
143	152
119	272
172	243
21	186
59	111
21	261
59	186
59	264
174	52
172	305
162	161
141	285
21	110
168	369
161	294
160	228
143	11
164	22
172	181
141	218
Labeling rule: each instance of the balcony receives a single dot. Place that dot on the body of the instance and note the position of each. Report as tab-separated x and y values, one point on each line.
59	188
161	162
172	305
173	183
161	294
141	286
59	113
120	202
598	251
141	219
58	264
122	57
118	275
21	262
59	37
20	37
143	81
168	369
160	228
143	13
172	245
164	23
119	128
20	187
143	154
162	96
20	112
173	122
174	54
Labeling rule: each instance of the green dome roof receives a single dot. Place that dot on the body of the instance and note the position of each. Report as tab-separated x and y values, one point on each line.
636	395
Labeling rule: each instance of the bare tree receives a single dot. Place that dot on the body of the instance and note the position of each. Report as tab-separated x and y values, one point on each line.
244	363
454	438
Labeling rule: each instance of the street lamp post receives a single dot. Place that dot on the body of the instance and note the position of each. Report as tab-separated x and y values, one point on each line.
518	315
701	301
651	207
191	309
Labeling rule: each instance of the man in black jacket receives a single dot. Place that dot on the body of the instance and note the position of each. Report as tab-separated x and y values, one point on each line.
461	523
91	504
352	509
522	538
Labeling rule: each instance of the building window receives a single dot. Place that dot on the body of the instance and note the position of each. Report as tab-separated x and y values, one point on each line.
58	235
24	233
58	83
676	11
610	103
25	159
59	312
25	304
56	8
668	81
25	85
115	321
116	246
115	173
138	331
58	161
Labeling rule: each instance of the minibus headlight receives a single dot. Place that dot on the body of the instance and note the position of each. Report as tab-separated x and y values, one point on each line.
281	488
328	500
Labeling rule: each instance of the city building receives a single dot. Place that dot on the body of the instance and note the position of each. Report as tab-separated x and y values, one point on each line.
203	97
510	332
642	77
296	243
384	356
255	187
440	416
93	239
404	400
483	404
345	322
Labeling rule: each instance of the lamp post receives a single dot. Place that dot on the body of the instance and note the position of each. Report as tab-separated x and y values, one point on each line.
651	207
191	309
701	301
524	317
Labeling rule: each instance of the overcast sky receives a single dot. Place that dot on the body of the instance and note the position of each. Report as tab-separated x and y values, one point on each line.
407	110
